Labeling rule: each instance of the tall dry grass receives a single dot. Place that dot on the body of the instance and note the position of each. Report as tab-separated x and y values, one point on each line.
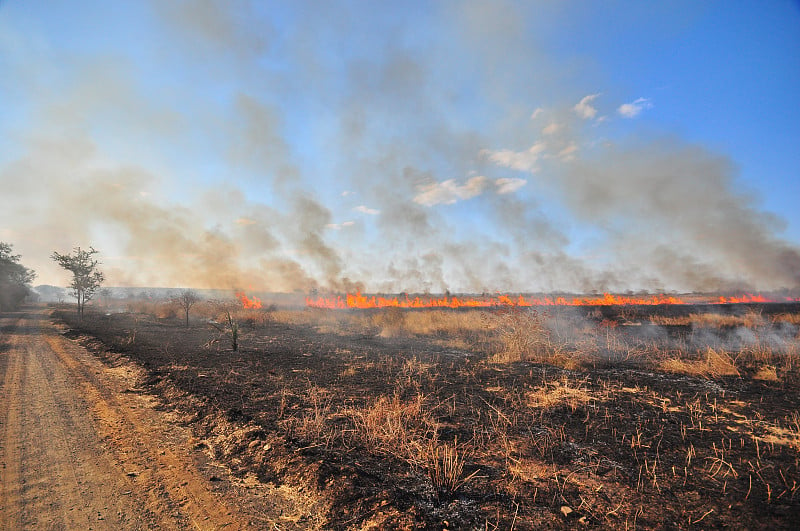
790	318
751	319
407	429
757	345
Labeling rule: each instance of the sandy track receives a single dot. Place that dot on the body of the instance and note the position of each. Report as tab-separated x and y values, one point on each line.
78	452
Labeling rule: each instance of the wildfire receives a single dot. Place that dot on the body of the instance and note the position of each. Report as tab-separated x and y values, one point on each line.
357	300
250	303
747	298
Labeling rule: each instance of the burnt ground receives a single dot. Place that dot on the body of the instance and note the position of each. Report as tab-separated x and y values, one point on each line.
409	433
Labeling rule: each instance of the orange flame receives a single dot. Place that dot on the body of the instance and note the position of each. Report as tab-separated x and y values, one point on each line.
251	303
360	301
745	298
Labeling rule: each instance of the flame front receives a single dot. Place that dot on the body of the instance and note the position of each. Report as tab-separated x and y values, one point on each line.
250	303
357	300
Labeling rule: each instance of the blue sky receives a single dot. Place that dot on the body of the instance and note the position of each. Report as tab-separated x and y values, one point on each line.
405	146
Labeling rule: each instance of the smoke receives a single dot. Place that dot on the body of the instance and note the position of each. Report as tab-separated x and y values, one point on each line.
216	156
674	208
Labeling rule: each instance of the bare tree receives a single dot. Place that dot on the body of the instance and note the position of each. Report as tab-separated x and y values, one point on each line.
229	326
86	279
186	300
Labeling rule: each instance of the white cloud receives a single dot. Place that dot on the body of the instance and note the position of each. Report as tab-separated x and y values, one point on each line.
631	110
568	153
346	193
584	108
538	112
366	210
340	226
449	191
518	160
551	128
245	221
508	186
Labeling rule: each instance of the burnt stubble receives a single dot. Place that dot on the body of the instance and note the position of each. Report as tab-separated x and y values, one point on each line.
611	417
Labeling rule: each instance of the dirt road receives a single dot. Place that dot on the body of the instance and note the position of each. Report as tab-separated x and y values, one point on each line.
78	450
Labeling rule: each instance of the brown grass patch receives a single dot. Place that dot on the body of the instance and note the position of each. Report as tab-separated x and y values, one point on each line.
560	392
713	365
791	318
767	373
751	319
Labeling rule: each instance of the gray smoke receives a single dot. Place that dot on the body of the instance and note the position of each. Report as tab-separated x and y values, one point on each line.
103	163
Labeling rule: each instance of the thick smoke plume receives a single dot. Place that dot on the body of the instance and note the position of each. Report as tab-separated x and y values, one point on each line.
180	184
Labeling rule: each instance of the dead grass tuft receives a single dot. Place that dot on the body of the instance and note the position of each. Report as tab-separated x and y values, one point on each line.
559	392
767	373
751	319
524	335
406	429
714	364
791	318
446	466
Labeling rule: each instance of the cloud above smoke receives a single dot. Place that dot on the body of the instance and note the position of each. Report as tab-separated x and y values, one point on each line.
584	108
518	160
449	191
634	108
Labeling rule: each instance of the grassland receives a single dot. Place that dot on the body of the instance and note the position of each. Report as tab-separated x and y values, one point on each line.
517	418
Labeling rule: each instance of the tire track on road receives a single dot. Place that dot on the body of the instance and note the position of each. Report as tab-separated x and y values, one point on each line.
77	454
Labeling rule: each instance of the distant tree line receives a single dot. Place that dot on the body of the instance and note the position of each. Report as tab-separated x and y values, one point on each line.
15	279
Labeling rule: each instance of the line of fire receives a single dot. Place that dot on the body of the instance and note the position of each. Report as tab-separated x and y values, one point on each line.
359	301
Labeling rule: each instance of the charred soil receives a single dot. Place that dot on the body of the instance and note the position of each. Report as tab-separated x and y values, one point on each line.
367	430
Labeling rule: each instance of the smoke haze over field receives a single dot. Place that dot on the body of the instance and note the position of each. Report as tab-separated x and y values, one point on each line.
463	146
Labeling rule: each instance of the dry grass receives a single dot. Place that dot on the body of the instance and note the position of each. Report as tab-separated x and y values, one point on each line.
767	373
603	444
313	423
751	343
520	336
559	392
442	324
327	321
406	429
714	364
396	427
445	323
751	319
532	470
446	466
391	322
527	335
253	318
790	318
